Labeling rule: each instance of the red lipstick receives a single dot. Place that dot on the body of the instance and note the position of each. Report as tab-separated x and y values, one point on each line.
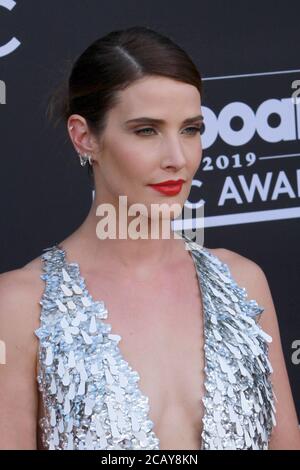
169	187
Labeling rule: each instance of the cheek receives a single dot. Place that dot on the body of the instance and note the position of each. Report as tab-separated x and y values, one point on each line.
124	166
131	165
136	164
125	171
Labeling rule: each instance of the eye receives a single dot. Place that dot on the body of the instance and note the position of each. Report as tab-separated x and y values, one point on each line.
194	129
141	131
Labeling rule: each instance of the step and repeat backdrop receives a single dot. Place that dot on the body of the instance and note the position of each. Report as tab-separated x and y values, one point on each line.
249	180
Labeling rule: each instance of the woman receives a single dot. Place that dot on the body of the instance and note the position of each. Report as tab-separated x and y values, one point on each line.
139	343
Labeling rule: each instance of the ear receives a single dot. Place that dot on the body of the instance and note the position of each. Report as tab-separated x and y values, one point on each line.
81	136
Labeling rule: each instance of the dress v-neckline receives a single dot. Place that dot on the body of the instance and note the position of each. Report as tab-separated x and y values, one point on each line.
189	247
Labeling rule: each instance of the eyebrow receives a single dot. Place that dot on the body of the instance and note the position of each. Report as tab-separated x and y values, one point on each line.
161	121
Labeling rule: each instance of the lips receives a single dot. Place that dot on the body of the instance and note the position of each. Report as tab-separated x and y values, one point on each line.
168	183
169	188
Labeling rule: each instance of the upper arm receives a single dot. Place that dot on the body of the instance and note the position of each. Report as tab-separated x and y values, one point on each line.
18	389
286	434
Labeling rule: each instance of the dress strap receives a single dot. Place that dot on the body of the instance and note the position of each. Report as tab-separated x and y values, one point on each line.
239	400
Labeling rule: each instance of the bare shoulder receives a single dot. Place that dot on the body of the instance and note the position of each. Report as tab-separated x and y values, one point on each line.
20	292
23	282
233	258
245	271
251	276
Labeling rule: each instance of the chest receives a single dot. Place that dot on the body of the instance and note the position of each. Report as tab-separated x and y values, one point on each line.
161	326
160	322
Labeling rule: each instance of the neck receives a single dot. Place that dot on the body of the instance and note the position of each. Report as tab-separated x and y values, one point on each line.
132	255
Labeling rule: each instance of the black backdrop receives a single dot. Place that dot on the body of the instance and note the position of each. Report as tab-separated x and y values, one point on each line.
248	54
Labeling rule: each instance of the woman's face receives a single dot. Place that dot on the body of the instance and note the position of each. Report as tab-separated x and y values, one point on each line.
132	158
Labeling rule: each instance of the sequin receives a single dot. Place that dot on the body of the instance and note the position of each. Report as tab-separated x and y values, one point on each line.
91	395
49	356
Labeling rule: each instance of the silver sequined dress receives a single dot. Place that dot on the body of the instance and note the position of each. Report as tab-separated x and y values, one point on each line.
91	395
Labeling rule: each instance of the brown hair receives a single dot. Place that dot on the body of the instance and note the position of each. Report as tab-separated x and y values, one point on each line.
110	64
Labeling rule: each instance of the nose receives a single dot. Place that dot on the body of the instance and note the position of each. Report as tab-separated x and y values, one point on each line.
173	154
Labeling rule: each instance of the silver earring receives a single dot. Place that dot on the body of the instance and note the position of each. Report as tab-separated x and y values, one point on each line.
84	158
